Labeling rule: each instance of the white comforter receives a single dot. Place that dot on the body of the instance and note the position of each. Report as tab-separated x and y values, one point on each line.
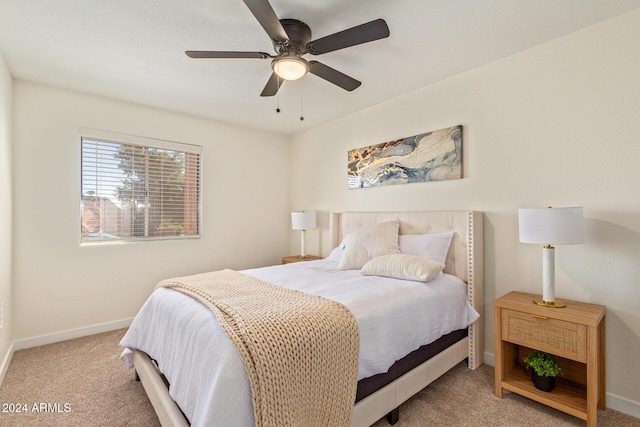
206	373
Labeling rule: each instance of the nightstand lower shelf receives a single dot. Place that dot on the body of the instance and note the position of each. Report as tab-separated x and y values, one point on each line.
567	396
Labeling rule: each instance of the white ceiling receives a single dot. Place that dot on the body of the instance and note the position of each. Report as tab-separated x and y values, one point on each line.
134	50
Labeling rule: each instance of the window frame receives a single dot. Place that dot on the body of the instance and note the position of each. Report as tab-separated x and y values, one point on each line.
124	139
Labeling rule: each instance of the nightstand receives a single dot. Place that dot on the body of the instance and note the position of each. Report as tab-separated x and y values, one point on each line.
296	258
574	334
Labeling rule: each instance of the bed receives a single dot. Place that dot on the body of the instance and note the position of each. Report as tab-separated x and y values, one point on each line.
379	393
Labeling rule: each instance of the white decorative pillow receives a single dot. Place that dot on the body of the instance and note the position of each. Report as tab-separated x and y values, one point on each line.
336	253
368	242
434	246
400	266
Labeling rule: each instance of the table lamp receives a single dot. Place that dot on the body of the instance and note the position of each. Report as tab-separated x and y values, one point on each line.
303	221
550	226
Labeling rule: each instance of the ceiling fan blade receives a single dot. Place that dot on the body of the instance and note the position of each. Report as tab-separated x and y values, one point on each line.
272	86
333	76
225	54
364	33
265	15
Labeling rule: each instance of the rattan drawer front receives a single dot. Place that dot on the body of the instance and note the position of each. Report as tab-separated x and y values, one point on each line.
558	337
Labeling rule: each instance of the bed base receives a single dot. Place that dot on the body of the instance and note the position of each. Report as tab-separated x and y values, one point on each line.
167	410
384	402
387	400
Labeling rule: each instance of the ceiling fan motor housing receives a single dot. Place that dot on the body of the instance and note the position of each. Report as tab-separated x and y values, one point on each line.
299	35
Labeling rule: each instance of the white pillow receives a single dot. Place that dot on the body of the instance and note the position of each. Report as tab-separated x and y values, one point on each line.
400	266
434	246
336	253
368	242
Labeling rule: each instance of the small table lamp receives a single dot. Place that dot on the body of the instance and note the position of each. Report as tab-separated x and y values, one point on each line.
550	226
303	221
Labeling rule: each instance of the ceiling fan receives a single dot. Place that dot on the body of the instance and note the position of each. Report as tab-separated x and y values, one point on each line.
292	39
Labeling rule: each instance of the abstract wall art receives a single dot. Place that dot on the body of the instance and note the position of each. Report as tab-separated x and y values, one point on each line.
430	156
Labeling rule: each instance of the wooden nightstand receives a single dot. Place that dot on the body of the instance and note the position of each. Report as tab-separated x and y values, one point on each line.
296	258
574	334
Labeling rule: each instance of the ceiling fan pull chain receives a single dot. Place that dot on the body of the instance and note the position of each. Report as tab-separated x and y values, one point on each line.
278	95
301	105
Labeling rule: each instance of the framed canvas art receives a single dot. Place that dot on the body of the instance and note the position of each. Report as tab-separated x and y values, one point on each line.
430	156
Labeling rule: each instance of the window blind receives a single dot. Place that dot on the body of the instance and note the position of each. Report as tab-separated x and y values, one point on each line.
138	189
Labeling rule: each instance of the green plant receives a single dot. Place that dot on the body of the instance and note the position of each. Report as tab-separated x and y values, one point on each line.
543	364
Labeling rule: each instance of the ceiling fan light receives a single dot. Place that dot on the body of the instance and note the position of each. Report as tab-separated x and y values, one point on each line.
290	67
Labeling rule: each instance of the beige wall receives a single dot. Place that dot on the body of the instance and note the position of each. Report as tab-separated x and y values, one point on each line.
557	125
60	285
6	102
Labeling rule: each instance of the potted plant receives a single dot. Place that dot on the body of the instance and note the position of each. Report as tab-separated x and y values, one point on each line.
544	368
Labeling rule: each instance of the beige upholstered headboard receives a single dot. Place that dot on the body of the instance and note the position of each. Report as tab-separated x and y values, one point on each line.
465	258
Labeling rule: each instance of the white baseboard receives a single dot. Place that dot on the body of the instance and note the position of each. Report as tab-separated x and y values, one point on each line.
489	359
623	405
5	362
614	402
71	334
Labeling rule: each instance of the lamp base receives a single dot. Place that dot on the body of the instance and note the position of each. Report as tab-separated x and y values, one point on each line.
551	304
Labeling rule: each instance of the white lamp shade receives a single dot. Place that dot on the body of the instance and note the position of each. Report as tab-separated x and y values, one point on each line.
551	226
303	220
290	67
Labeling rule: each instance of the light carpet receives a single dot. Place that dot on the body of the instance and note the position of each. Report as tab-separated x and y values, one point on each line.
82	382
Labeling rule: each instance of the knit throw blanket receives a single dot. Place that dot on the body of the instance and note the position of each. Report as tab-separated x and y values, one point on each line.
300	351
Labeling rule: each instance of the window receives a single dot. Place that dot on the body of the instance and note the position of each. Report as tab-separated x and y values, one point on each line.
138	189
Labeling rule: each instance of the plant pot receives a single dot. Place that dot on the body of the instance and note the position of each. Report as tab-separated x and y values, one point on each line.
543	383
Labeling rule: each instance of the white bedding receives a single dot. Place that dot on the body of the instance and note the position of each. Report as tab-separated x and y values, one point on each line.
394	316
